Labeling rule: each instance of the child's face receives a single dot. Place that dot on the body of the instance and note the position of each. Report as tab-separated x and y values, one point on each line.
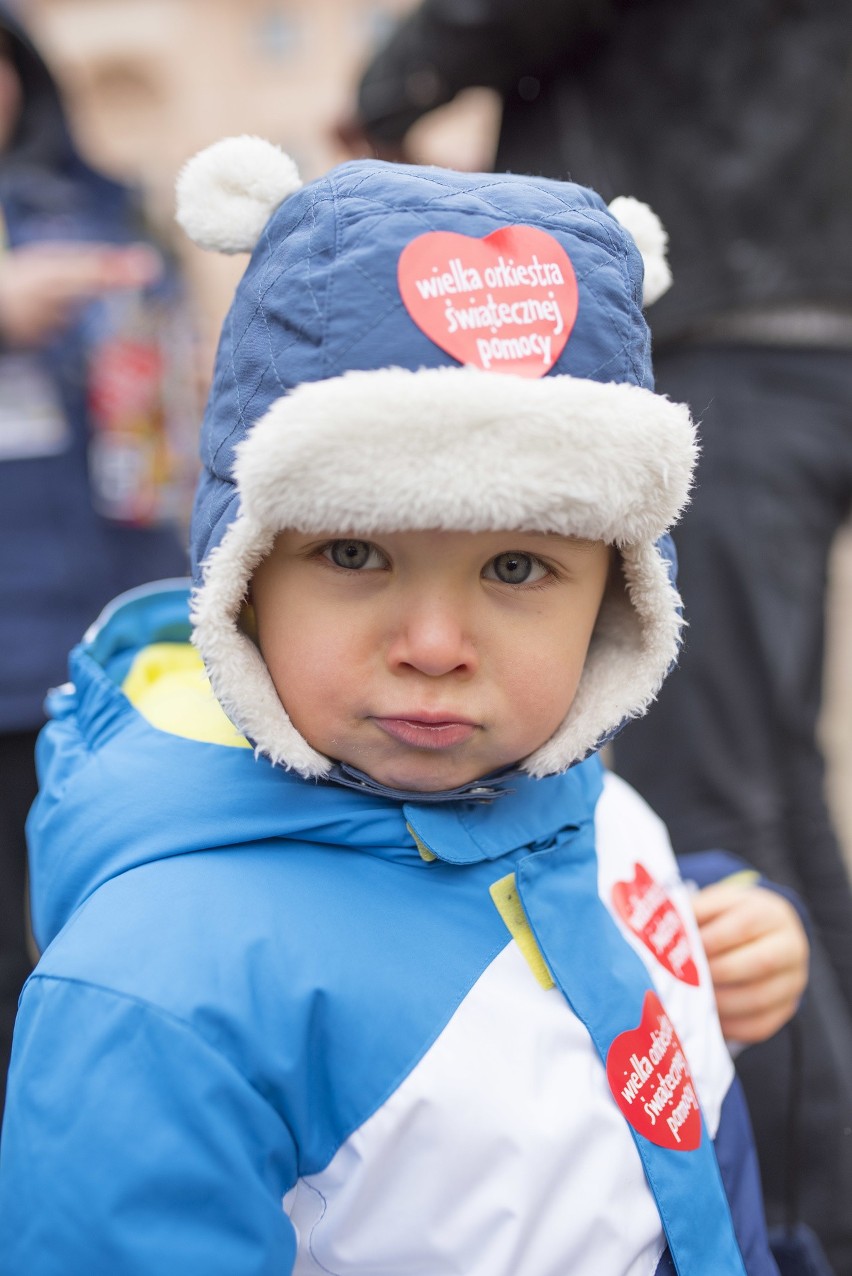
428	659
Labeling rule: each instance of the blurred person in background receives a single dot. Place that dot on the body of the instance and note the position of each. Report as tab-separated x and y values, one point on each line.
734	122
85	508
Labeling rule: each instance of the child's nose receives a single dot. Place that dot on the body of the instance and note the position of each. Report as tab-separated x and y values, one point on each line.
431	637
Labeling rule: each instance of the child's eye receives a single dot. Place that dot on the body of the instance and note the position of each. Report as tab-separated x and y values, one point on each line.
355	555
515	569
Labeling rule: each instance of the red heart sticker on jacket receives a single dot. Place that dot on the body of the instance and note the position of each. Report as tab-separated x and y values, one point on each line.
645	907
505	303
650	1080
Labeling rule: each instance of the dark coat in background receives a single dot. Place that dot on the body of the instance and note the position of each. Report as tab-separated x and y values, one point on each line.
733	121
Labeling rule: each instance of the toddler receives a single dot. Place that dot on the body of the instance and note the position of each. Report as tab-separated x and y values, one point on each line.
378	972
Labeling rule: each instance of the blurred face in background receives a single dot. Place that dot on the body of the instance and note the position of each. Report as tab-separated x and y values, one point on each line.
11	94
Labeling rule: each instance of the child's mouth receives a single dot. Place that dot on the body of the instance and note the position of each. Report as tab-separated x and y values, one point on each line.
425	734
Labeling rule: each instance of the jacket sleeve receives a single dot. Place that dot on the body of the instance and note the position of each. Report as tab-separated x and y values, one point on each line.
445	46
131	1146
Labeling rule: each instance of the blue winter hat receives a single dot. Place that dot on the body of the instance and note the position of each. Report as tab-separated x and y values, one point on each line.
415	348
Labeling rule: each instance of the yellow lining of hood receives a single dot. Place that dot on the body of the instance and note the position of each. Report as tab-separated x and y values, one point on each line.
168	685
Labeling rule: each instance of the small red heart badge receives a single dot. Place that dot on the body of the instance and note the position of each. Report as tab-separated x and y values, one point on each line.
644	906
505	303
651	1083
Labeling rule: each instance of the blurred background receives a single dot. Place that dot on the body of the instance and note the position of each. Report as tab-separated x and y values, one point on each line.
149	82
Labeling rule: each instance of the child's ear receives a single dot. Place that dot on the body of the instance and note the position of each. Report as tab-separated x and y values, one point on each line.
615	589
247	620
616	569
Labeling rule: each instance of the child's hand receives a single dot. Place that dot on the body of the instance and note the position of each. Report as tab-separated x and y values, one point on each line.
758	953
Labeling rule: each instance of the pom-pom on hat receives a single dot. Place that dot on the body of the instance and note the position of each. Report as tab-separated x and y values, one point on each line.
418	349
226	193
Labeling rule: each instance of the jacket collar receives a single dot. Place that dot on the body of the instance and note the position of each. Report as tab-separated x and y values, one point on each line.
531	814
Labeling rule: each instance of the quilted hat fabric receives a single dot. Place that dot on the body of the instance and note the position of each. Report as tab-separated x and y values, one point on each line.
320	296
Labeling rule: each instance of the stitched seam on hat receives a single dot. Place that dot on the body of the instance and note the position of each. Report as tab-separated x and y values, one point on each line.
320	307
376	284
611	323
595	216
260	294
451	191
549	225
366	331
494	182
271	284
240	415
638	371
617	260
233	368
381	212
358	219
268	285
576	209
311	253
619	254
326	363
243	405
498	183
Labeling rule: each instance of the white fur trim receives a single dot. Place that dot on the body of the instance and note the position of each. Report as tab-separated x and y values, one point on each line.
227	193
458	449
634	644
651	239
238	674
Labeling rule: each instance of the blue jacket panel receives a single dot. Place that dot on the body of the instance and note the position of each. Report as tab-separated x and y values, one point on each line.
263	1009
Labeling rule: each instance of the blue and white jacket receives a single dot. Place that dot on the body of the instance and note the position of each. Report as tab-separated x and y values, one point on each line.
285	1026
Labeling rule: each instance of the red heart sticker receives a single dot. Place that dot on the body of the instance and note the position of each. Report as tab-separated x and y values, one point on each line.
645	907
505	303
651	1083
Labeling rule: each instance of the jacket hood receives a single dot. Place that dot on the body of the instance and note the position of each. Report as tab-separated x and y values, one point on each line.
158	794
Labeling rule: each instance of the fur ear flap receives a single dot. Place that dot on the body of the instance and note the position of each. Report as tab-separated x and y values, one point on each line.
227	192
651	239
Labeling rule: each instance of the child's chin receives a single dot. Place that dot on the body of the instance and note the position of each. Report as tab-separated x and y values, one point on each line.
423	777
